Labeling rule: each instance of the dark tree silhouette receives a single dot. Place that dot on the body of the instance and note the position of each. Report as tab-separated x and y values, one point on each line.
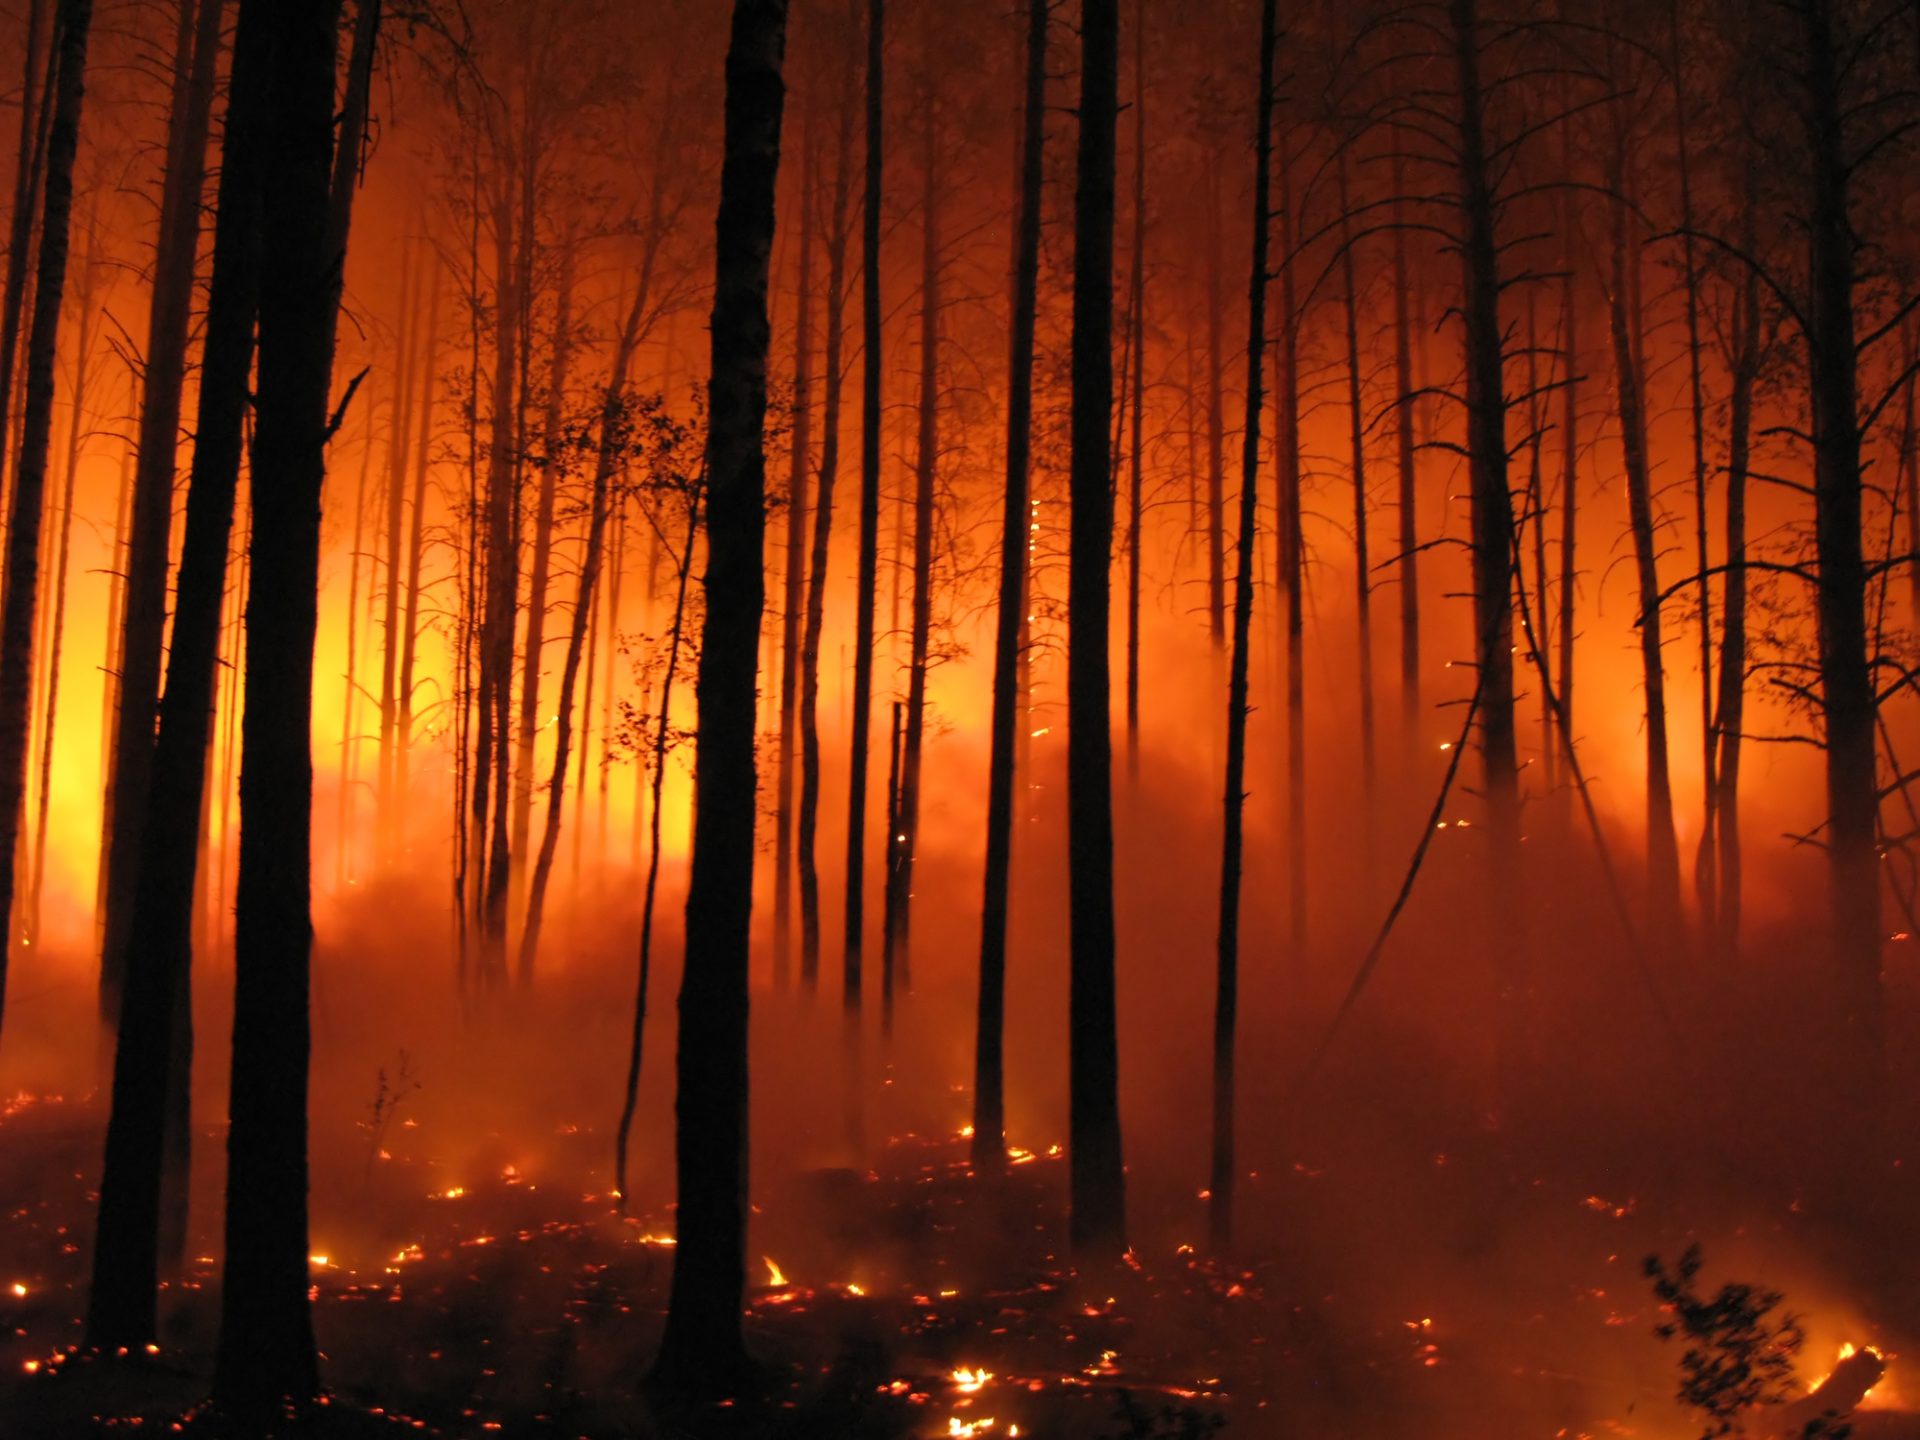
989	1059
143	623
266	1353
1097	1173
125	1263
702	1350
1222	1173
72	23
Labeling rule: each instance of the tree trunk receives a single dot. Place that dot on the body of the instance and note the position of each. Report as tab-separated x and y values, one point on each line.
1663	854
869	513
598	507
1216	414
125	1265
795	569
1846	679
906	833
1136	310
145	618
1730	714
656	769
989	1054
399	442
1223	1172
72	22
1096	1173
1705	864
1357	450
347	807
1409	472
1492	533
1293	571
85	303
36	113
702	1349
819	550
410	622
537	584
266	1351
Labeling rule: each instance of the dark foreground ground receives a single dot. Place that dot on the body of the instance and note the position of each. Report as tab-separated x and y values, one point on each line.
918	1300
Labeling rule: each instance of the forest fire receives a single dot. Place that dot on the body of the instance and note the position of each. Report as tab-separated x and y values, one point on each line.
1211	703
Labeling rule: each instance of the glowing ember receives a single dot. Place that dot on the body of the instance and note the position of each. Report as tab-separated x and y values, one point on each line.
19	1289
320	1262
970	1381
956	1427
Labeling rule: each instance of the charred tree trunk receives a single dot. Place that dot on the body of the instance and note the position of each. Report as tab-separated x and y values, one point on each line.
1663	853
145	618
1293	571
399	442
1357	451
126	1260
72	22
1405	449
1223	1172
702	1349
819	547
905	835
1136	310
1216	415
605	465
989	1060
1705	865
537	585
794	578
1846	679
1096	1173
1730	712
656	770
346	808
1491	525
36	111
868	569
266	1351
410	620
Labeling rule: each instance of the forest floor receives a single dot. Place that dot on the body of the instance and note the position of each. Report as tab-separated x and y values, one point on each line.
918	1300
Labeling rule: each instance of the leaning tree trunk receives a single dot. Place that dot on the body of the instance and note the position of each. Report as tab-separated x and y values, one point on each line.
1097	1175
1663	852
1846	677
266	1353
702	1349
145	617
537	584
1223	1172
989	1062
126	1260
598	507
72	22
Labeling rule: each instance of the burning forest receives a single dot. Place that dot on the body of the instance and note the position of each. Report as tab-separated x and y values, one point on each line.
896	719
